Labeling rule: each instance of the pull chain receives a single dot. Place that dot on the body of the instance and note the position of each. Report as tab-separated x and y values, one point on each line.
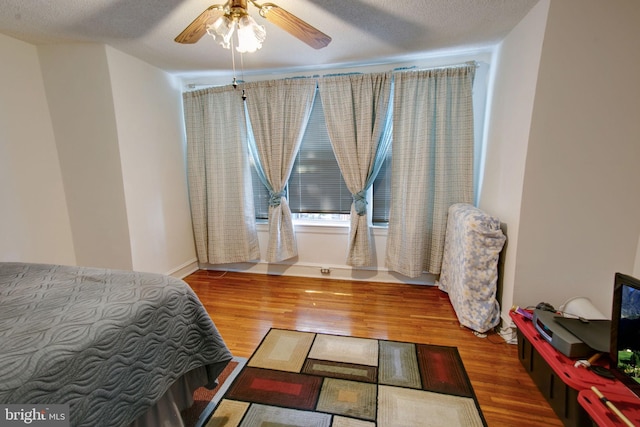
233	63
244	96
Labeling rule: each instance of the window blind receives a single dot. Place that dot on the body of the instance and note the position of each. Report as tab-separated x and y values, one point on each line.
316	184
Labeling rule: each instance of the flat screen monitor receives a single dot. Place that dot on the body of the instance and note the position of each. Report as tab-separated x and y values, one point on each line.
625	331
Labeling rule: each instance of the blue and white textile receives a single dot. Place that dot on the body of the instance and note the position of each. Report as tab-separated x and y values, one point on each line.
469	274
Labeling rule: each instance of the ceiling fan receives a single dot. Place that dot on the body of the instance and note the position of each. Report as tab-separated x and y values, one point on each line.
234	10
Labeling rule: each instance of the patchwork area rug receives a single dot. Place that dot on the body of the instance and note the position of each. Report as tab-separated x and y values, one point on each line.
307	379
205	400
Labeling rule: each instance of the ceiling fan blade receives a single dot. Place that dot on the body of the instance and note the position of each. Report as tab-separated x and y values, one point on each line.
294	26
198	27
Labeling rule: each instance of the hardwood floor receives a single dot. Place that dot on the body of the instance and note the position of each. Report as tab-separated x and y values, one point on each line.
245	306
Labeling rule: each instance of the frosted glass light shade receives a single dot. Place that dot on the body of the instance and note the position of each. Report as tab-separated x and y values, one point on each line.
250	35
222	30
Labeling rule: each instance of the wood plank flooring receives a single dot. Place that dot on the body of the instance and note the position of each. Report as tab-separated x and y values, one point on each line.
245	306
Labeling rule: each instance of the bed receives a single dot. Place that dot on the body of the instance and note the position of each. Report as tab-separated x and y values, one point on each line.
121	348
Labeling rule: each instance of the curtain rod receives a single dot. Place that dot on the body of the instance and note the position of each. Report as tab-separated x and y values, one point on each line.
441	67
410	68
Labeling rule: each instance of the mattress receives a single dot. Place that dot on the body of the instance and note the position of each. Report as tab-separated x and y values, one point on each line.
473	242
108	343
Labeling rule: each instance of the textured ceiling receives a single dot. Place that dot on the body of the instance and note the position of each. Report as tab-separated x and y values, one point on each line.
363	31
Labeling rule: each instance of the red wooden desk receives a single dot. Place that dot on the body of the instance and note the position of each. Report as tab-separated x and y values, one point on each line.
567	388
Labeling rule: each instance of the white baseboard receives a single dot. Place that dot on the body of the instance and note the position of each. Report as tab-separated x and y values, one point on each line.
185	269
335	272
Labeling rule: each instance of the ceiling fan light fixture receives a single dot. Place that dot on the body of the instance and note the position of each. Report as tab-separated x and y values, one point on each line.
222	30
250	35
233	15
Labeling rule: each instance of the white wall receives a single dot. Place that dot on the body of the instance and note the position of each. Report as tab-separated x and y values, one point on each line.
579	221
148	109
91	160
507	135
34	220
325	247
78	91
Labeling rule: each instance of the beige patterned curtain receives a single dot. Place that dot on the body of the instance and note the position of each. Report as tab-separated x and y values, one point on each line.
279	112
356	110
219	177
432	165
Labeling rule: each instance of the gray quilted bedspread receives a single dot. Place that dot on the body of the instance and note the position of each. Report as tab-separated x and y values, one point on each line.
108	343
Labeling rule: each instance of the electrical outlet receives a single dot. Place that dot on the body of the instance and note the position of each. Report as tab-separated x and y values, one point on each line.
325	270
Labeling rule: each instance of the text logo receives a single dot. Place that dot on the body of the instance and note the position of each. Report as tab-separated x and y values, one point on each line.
34	415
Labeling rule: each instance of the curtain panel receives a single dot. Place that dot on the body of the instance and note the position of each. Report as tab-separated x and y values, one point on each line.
220	191
278	112
432	164
357	111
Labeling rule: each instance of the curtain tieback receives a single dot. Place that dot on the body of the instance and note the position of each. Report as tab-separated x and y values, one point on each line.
360	202
275	198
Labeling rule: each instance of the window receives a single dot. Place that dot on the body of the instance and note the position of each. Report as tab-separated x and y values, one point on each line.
316	189
382	193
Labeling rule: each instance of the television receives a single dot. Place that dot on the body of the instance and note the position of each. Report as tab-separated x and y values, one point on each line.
625	331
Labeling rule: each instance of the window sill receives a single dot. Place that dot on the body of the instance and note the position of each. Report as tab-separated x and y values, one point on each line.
325	223
323	227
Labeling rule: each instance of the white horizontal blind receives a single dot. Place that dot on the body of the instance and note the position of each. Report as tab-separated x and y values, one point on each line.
260	193
382	193
316	184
